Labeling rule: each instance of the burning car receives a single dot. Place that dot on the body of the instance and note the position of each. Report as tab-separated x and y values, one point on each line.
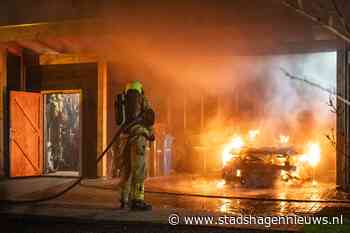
263	166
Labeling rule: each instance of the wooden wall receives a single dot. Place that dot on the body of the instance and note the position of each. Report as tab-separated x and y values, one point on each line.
68	77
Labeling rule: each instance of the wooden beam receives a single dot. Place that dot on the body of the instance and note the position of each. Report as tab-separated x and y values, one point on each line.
36	47
40	31
13	47
259	48
75	46
52	48
55	59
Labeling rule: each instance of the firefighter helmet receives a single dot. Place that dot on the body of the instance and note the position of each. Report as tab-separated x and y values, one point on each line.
135	85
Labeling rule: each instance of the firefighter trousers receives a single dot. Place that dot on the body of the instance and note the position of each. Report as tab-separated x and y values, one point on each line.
132	183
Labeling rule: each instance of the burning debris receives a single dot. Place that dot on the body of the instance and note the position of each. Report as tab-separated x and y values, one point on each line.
253	166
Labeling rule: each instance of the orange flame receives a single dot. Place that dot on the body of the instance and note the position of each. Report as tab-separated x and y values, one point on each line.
313	155
284	139
234	146
252	134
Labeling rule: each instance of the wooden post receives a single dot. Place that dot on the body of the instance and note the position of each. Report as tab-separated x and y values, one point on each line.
3	81
102	117
343	120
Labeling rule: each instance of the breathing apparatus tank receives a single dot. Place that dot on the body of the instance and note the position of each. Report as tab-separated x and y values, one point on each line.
120	112
129	104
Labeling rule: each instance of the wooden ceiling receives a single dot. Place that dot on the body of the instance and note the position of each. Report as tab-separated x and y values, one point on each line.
247	26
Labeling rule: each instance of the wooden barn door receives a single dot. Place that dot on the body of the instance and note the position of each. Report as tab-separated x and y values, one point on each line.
25	134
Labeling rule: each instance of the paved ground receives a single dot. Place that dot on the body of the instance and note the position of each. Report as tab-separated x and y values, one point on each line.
93	205
234	199
15	188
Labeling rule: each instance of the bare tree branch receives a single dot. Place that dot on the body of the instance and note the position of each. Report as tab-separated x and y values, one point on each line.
310	83
333	107
332	139
343	35
340	16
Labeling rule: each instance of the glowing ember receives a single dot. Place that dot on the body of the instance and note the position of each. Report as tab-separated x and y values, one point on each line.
252	134
238	173
284	139
312	155
234	146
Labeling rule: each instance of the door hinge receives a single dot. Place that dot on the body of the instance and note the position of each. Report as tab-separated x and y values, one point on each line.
11	133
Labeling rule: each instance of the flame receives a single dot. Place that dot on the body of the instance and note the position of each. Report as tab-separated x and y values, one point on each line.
312	155
221	184
234	146
310	158
284	175
252	134
284	139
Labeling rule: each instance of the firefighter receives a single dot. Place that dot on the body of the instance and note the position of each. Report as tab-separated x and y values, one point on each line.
134	147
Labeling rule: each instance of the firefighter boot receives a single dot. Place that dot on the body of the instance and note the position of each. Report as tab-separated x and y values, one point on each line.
125	193
124	204
138	202
140	205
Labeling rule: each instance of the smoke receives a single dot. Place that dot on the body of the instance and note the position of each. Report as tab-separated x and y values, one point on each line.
252	90
256	94
180	52
187	60
181	64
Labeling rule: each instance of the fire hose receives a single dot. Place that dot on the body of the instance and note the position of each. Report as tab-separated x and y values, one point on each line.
122	129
